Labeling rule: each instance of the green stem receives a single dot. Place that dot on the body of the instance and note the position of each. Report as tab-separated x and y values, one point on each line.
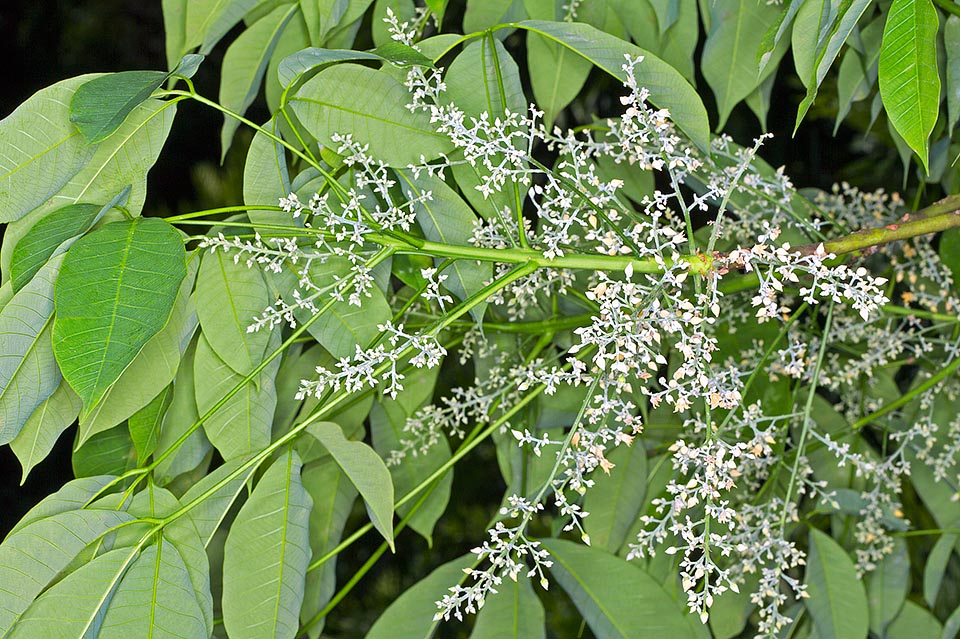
949	7
945	372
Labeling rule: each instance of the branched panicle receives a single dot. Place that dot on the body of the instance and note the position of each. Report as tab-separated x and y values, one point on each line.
657	346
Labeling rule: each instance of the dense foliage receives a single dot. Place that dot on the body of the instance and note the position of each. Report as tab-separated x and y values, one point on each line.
715	405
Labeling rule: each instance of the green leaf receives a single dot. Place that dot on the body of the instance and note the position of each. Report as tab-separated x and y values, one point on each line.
951	43
514	611
343	326
210	511
559	73
837	602
387	420
370	105
155	503
74	607
333	496
209	20
44	237
152	369
447	219
263	590
32	557
188	65
40	150
266	177
887	587
28	370
729	61
242	425
936	566
244	66
616	598
775	33
411	616
181	415
108	453
154	599
121	160
115	291
366	471
909	79
174	29
44	427
144	425
676	46
233	295
321	16
615	501
473	82
100	106
912	622
668	89
296	64
483	14
72	496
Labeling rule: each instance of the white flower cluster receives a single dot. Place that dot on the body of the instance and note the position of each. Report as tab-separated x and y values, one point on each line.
372	366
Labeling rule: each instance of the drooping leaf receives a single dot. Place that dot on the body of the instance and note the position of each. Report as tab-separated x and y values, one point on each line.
483	14
837	602
615	501
45	425
110	452
387	420
887	587
207	21
245	64
446	218
28	370
152	369
559	72
321	16
266	178
153	503
668	89
296	64
370	105
233	295
115	291
100	106
209	512
616	598
514	612
411	616
333	495
72	496
912	622
181	415
154	599
75	606
776	32
40	149
936	566
45	236
32	556
729	60
263	590
951	44
122	160
174	29
909	79
366	471
144	425
243	424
